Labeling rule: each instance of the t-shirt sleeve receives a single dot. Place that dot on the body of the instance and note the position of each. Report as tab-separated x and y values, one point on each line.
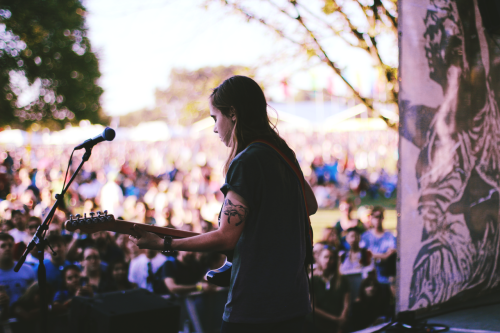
365	240
244	178
392	243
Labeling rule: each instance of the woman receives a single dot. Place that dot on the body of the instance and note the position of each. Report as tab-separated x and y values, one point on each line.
356	259
118	277
264	204
73	285
331	293
92	270
346	221
373	305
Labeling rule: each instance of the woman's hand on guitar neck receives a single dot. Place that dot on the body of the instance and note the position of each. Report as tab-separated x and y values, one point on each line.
146	239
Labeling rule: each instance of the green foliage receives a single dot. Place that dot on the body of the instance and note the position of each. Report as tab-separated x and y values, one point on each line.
186	99
45	41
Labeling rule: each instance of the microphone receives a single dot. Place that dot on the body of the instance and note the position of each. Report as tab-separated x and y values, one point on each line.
107	135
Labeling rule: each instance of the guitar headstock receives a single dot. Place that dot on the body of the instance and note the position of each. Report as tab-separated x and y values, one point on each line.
89	224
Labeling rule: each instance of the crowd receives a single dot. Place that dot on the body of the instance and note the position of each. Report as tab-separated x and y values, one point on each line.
176	185
354	272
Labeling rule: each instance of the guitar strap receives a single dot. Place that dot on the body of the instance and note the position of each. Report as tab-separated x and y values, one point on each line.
299	175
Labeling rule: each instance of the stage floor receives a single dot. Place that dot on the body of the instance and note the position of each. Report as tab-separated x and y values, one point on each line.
482	318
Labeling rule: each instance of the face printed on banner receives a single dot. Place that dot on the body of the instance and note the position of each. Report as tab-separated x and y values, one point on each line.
223	125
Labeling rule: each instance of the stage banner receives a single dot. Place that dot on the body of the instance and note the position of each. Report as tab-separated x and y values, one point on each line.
449	155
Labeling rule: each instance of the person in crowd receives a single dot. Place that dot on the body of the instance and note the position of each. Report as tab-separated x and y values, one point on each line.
107	247
14	284
143	271
373	305
32	257
92	269
4	303
356	259
19	223
20	247
57	262
129	249
382	245
143	213
73	285
364	215
118	277
346	221
111	195
27	307
263	206
184	274
331	238
331	293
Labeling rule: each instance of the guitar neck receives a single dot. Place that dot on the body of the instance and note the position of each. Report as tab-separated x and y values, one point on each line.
127	227
107	222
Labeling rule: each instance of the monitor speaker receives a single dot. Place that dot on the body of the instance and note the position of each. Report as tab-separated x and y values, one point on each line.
124	311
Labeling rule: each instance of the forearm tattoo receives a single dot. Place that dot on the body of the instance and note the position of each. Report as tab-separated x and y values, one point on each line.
238	213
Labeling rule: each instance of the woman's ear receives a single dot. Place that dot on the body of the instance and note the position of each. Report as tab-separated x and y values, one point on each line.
232	114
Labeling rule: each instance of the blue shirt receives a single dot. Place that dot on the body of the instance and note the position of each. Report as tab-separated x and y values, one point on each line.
54	273
15	284
378	245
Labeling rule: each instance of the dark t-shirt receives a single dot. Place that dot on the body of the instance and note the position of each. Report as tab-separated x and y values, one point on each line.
268	281
330	299
183	274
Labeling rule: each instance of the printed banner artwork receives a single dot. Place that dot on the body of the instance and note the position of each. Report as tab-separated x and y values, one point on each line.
448	230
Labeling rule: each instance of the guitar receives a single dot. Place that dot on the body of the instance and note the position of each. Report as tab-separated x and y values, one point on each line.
106	222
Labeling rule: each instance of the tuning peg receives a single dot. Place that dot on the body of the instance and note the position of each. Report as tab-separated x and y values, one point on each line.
92	214
105	212
99	213
78	216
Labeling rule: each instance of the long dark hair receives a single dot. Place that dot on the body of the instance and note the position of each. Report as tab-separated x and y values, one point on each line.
244	97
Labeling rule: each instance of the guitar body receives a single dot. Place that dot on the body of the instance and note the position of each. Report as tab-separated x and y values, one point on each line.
220	277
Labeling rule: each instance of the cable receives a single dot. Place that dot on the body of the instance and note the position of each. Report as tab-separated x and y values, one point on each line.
67	169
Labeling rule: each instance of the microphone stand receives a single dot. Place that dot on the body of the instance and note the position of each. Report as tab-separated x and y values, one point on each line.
39	241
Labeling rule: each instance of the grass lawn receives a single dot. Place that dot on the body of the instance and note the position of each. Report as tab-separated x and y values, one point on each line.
328	217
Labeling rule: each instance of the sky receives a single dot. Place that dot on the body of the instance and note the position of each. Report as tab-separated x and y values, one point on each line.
139	42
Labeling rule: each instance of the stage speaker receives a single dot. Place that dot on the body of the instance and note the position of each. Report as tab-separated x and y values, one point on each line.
134	311
490	13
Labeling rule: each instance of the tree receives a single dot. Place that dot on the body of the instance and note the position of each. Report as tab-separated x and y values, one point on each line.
310	25
185	101
45	44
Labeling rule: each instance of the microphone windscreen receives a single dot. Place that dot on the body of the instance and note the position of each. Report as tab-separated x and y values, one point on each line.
109	134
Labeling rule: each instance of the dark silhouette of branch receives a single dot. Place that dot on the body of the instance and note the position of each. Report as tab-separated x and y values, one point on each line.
313	45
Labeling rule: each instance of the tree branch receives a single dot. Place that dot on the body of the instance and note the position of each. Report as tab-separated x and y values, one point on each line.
332	64
250	16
